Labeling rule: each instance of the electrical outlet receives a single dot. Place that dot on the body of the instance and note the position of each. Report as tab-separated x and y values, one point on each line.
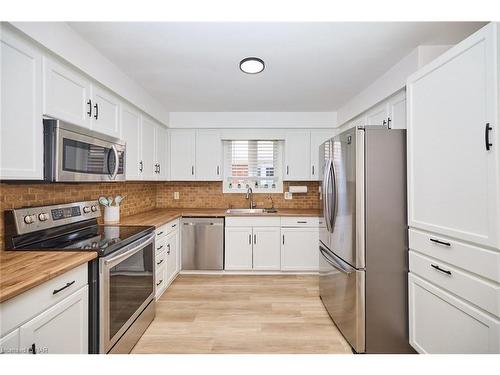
176	195
288	195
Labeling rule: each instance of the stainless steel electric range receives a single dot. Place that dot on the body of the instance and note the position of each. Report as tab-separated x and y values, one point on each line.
121	278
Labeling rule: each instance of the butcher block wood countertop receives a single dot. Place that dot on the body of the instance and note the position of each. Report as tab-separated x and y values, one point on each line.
160	216
23	270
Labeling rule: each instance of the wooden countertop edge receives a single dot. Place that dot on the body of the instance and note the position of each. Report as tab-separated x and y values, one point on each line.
31	277
161	216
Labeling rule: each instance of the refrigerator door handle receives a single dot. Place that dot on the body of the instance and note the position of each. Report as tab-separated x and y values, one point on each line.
332	205
326	214
333	262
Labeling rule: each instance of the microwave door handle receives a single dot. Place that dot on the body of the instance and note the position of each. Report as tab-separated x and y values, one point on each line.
117	162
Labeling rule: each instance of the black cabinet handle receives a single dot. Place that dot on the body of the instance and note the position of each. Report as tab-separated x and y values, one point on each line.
159	168
160	233
313	170
192	170
64	287
160	262
487	130
287	170
32	350
384	122
436	267
249	239
89	103
440	242
255	239
283	239
217	170
174	225
159	282
301	222
96	107
141	166
159	248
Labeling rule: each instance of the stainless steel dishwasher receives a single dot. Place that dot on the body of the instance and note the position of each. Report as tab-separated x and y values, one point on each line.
202	243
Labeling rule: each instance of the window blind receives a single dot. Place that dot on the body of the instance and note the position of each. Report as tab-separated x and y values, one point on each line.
252	163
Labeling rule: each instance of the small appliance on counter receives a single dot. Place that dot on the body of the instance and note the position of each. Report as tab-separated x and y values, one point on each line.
125	261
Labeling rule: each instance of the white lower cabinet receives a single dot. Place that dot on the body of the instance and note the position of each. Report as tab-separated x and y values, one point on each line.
238	249
299	249
166	256
442	323
9	344
62	329
266	249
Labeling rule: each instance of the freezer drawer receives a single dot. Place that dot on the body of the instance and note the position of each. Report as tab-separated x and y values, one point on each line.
342	290
202	243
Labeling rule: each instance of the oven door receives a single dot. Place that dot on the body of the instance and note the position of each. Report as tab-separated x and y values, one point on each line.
80	157
126	288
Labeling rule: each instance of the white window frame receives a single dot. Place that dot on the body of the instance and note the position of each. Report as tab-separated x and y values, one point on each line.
259	190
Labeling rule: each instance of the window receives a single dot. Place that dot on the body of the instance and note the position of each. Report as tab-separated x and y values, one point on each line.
255	164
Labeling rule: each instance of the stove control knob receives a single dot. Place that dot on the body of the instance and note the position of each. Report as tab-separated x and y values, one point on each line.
43	217
28	219
86	209
93	208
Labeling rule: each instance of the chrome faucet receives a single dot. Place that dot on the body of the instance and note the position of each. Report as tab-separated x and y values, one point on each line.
249	195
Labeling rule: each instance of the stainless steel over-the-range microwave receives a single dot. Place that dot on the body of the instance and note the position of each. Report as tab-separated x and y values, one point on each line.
72	153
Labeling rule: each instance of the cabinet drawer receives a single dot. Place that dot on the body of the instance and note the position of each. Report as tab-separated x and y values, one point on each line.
482	293
160	245
160	259
23	307
297	221
442	323
167	228
483	262
254	221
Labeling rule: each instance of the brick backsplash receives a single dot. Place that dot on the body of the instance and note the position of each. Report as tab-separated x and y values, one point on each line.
209	195
144	196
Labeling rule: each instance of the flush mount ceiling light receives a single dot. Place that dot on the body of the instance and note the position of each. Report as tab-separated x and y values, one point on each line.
252	65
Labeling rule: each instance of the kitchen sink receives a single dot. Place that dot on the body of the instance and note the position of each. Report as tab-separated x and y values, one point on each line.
250	211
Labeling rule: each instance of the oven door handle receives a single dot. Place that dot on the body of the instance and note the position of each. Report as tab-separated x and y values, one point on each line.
117	162
116	258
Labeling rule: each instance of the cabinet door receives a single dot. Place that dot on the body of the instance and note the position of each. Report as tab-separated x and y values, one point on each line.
182	155
162	153
238	249
441	323
266	248
106	111
131	133
317	138
21	133
9	344
453	180
397	111
171	251
62	329
378	115
299	249
208	155
297	155
66	94
148	144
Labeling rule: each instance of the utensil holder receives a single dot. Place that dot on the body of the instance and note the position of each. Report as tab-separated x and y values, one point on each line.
112	214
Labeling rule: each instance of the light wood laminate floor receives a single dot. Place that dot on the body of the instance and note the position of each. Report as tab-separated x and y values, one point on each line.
242	314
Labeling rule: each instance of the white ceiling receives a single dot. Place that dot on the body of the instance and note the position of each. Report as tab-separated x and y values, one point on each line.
309	66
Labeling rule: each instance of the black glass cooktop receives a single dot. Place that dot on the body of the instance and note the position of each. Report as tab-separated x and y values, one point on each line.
104	239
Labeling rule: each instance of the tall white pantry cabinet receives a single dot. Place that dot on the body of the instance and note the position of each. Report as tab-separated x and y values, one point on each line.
454	199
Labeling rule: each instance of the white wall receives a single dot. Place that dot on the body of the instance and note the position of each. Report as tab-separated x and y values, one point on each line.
253	119
390	82
62	40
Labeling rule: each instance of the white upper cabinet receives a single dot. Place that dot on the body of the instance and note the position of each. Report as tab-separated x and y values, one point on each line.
397	110
453	175
148	138
105	111
21	133
208	155
297	164
162	154
131	134
317	138
66	93
377	115
182	154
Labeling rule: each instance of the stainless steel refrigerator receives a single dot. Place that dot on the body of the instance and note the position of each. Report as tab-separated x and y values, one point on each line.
363	238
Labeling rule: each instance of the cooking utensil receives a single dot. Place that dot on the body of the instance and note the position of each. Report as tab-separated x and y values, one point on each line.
110	200
118	199
104	201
